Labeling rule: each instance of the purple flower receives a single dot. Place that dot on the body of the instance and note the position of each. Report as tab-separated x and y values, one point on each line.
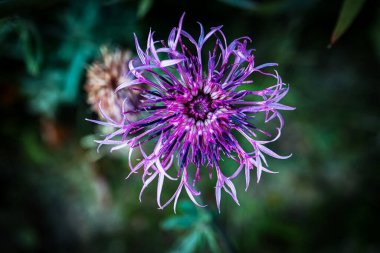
195	110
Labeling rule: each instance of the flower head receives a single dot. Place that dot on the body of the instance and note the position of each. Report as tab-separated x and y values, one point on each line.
196	111
103	76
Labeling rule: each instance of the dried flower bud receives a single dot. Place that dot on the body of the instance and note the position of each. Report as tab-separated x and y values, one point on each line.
103	76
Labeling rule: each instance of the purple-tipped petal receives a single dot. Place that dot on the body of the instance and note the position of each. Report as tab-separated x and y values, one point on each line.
192	113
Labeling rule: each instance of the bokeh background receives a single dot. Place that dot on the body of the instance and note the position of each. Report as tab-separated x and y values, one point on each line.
60	195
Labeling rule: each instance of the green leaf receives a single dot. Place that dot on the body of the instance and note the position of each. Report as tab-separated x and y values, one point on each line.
211	240
241	4
33	148
189	243
348	13
144	7
29	38
179	223
74	74
187	207
6	26
32	48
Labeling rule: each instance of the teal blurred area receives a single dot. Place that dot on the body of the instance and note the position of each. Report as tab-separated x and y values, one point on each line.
60	195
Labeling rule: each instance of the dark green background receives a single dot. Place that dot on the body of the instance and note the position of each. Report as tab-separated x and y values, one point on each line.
58	195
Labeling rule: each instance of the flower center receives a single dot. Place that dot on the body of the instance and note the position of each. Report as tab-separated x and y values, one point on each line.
199	106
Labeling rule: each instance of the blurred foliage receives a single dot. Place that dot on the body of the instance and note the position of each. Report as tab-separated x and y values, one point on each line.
348	13
29	41
144	7
61	85
60	195
198	226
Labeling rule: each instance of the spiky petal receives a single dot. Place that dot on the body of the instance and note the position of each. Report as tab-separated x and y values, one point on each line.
195	110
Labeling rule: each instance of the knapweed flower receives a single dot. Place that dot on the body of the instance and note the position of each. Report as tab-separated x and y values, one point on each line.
103	76
195	111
